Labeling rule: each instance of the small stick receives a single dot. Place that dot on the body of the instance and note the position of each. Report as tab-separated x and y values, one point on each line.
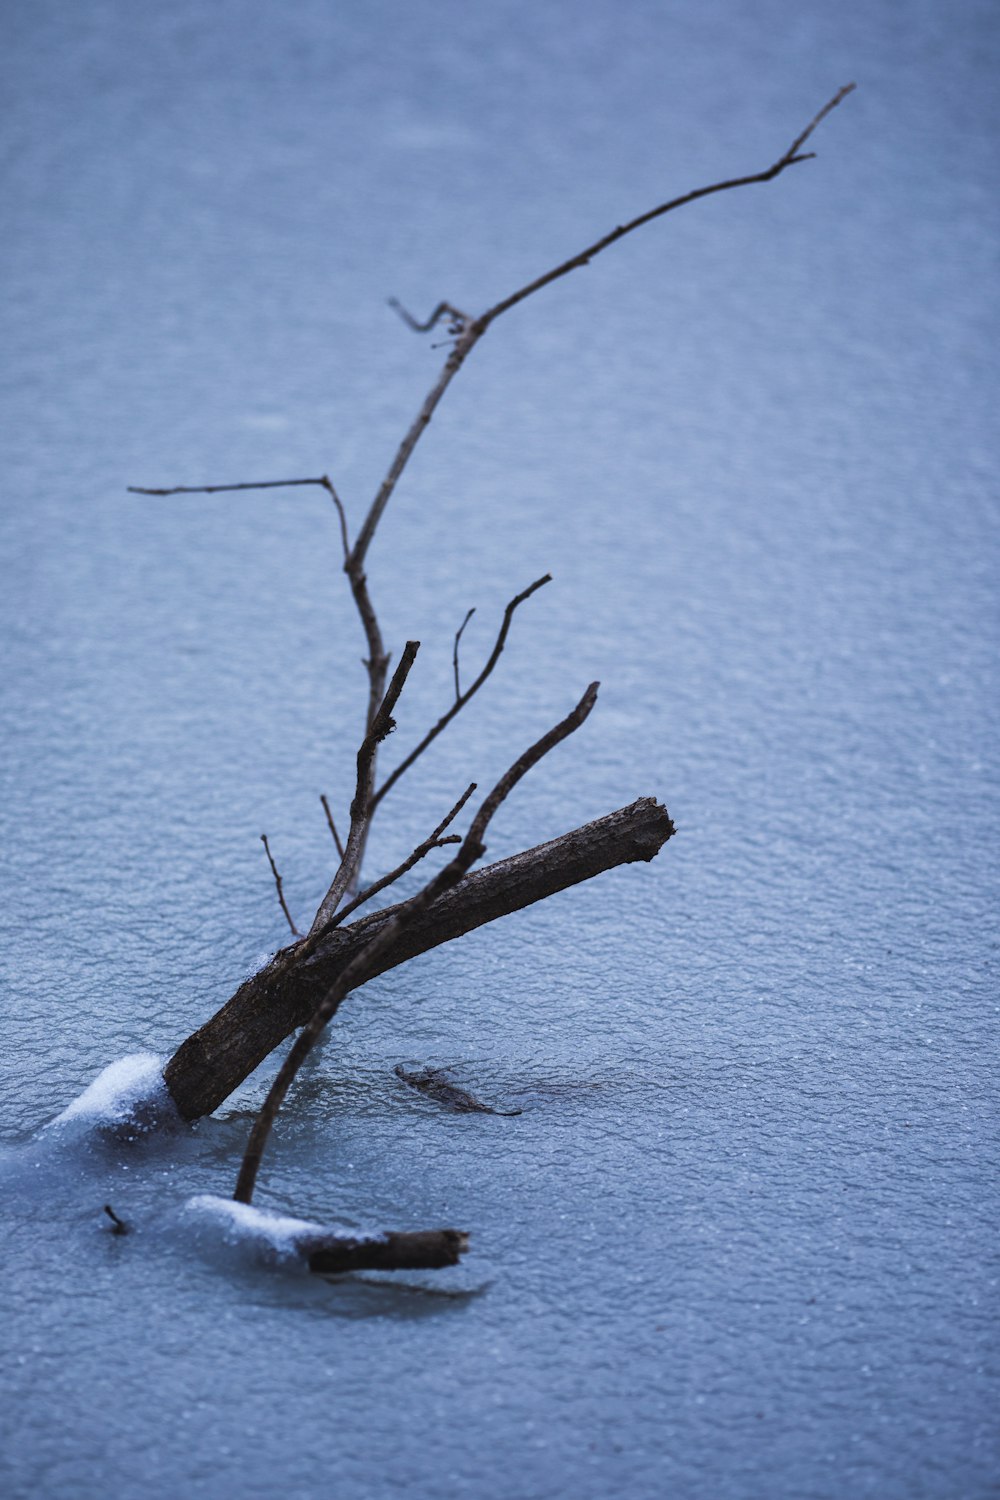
332	824
277	881
118	1226
454	654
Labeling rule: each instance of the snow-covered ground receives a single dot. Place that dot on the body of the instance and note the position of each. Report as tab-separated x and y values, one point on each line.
740	1242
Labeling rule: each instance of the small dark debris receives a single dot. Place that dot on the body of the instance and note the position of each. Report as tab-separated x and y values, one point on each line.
118	1226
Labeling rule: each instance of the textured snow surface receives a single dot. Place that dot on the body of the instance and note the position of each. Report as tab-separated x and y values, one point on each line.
118	1090
741	1240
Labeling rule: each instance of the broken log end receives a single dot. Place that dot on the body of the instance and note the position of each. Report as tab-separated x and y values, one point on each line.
420	1250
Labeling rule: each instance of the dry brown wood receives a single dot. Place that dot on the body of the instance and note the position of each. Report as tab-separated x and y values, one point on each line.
396	1250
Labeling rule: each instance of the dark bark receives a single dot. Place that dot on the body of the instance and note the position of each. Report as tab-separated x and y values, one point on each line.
420	1250
283	996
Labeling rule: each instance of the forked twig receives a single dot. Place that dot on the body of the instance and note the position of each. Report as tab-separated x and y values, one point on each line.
790	158
433	841
462	698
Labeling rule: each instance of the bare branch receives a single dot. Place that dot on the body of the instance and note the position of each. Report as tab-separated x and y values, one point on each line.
466	334
454	654
789	158
434	841
472	848
362	806
331	824
277	881
469	333
462	699
322	480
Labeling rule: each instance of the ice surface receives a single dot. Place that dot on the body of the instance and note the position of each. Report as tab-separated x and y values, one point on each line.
742	1240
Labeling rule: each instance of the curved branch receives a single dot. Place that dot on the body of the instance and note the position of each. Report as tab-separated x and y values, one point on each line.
469	333
790	158
454	652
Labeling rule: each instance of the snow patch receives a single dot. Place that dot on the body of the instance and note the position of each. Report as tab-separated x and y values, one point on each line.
127	1088
242	1224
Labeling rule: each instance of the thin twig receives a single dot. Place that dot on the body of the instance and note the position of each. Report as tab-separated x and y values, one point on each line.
217	489
462	698
323	481
277	881
332	824
471	849
454	654
433	841
790	158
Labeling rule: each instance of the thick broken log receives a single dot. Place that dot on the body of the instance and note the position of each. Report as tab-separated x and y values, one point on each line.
420	1250
283	996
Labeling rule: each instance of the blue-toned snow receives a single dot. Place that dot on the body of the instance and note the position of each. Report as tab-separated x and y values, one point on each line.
741	1240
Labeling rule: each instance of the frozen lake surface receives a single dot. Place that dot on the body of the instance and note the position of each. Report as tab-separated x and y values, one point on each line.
740	1242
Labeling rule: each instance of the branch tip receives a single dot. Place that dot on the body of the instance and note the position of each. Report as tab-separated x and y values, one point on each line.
278	885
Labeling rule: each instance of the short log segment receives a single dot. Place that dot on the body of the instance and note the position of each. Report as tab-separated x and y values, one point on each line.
268	1007
422	1250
